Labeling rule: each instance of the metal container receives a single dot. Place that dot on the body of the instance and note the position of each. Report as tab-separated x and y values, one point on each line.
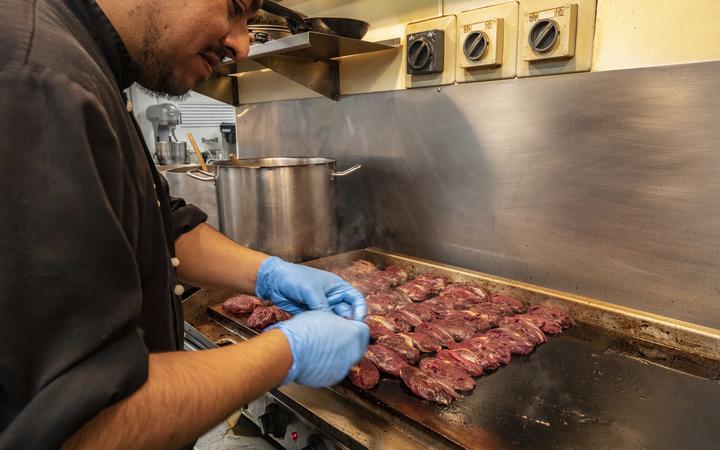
281	206
193	191
178	152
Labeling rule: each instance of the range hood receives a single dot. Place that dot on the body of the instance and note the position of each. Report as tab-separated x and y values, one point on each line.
309	59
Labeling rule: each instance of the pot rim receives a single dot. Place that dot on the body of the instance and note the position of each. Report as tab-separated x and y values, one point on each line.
274	163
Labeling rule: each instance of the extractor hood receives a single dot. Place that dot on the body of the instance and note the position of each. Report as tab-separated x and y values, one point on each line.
309	59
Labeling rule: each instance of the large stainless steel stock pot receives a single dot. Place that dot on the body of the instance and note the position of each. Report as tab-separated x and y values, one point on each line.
281	206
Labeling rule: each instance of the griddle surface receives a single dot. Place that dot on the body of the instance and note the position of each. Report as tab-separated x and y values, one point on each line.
582	389
573	392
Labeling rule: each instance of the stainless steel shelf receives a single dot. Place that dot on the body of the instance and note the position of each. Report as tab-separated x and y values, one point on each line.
309	59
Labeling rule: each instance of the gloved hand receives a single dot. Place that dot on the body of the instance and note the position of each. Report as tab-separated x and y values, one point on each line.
324	347
296	288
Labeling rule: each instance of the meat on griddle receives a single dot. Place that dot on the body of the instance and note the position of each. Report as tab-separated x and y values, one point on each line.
399	323
383	302
489	357
423	342
450	370
364	375
548	326
440	308
548	312
264	316
436	332
460	330
378	325
469	361
512	340
386	359
242	304
422	287
525	327
403	345
514	304
427	385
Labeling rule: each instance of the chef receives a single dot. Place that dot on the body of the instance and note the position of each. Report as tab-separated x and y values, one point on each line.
93	249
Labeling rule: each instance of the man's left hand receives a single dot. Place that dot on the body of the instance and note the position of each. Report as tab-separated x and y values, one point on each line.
296	288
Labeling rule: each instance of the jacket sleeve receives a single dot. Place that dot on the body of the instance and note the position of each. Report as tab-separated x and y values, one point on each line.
185	216
70	288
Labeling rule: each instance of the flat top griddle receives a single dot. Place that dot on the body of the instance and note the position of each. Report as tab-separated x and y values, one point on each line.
585	388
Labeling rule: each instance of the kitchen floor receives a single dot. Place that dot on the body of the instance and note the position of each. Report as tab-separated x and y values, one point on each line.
244	435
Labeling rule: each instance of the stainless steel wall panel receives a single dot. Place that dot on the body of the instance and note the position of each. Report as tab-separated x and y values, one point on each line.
604	184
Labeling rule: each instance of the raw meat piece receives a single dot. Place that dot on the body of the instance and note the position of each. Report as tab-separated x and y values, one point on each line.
415	313
360	268
409	316
450	370
469	361
414	291
386	359
515	342
403	345
459	330
366	286
501	349
381	303
428	386
398	322
515	304
439	308
423	342
491	311
488	357
241	304
524	327
548	312
462	295
434	284
548	326
264	316
364	375
436	332
379	326
471	318
392	276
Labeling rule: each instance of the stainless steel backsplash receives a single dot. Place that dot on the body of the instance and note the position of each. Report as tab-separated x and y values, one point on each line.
601	184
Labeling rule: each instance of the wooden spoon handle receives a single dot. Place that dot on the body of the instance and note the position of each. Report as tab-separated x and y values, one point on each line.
197	152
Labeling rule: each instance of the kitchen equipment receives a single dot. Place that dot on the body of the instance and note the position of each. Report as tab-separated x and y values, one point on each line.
165	118
229	138
261	34
621	376
195	147
193	191
300	23
178	153
282	206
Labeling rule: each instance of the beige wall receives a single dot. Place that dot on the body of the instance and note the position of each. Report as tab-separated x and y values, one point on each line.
629	33
637	33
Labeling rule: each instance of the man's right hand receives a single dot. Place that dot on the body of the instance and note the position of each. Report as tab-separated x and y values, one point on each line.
324	347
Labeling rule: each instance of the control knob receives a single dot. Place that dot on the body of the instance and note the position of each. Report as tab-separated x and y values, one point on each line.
274	422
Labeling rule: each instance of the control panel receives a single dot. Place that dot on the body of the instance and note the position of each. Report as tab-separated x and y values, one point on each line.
487	43
430	52
289	429
555	37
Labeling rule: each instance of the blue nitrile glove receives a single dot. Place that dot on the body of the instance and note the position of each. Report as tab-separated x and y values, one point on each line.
324	347
296	288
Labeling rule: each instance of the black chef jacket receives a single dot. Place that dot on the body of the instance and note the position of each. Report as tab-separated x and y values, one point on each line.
87	226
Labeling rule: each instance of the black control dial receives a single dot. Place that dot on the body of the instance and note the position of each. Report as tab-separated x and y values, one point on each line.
544	35
475	45
315	443
420	53
274	422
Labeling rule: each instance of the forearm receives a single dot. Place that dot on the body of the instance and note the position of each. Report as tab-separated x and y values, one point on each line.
209	259
187	393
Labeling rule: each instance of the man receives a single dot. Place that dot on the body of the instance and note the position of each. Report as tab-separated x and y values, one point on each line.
93	247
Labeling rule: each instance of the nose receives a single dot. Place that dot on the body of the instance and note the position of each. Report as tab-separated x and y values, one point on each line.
237	42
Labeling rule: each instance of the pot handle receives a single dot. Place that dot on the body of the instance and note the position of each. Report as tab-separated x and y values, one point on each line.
201	175
342	173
